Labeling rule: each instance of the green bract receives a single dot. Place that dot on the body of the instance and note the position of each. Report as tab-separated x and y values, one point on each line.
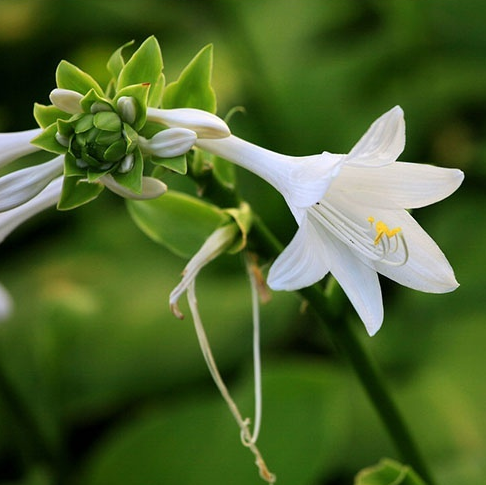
98	130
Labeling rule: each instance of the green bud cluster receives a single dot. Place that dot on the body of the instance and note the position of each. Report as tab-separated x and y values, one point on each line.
100	139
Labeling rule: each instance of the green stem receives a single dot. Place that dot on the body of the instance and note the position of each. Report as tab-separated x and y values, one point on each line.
367	371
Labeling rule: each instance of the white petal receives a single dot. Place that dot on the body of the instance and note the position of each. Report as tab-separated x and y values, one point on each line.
302	181
302	263
151	188
359	282
408	185
9	220
205	124
66	100
18	187
220	240
382	143
6	303
169	143
427	268
16	145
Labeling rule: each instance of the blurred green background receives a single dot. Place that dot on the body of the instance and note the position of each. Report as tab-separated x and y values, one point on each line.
116	384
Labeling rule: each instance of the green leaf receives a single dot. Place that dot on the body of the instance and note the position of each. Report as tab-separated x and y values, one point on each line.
388	472
76	191
203	428
176	220
156	92
144	67
224	171
132	180
47	140
193	88
68	76
176	164
116	62
47	115
71	169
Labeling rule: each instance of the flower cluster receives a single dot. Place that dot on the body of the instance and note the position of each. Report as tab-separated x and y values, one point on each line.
352	210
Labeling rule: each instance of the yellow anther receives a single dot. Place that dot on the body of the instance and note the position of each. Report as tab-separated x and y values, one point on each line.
371	219
383	230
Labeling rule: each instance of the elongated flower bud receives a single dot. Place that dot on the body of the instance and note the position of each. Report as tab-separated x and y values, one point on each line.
169	143
66	100
205	124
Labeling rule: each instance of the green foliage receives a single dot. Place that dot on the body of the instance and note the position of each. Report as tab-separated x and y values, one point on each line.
76	191
388	472
193	88
71	77
144	66
178	221
92	346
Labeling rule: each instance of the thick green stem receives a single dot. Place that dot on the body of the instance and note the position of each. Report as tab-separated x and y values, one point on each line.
368	373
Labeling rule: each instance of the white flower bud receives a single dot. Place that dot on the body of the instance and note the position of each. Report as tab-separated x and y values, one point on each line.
66	100
169	143
205	124
127	109
151	188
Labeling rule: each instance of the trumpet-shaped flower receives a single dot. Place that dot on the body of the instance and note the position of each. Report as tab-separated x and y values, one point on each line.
352	215
361	226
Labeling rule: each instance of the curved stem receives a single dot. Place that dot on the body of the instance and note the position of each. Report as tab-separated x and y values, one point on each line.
364	366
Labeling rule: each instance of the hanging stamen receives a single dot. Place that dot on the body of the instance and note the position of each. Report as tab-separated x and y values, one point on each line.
247	437
257	368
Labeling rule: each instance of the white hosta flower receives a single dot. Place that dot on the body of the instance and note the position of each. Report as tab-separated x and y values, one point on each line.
11	219
16	145
301	180
360	227
22	185
216	244
6	303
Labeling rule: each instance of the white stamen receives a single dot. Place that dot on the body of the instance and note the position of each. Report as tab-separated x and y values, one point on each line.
213	369
257	367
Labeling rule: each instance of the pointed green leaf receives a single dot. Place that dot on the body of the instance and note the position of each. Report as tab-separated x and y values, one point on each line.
132	180
77	191
68	76
116	61
388	472
176	164
95	175
47	115
71	169
144	67
47	141
176	220
156	92
193	88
